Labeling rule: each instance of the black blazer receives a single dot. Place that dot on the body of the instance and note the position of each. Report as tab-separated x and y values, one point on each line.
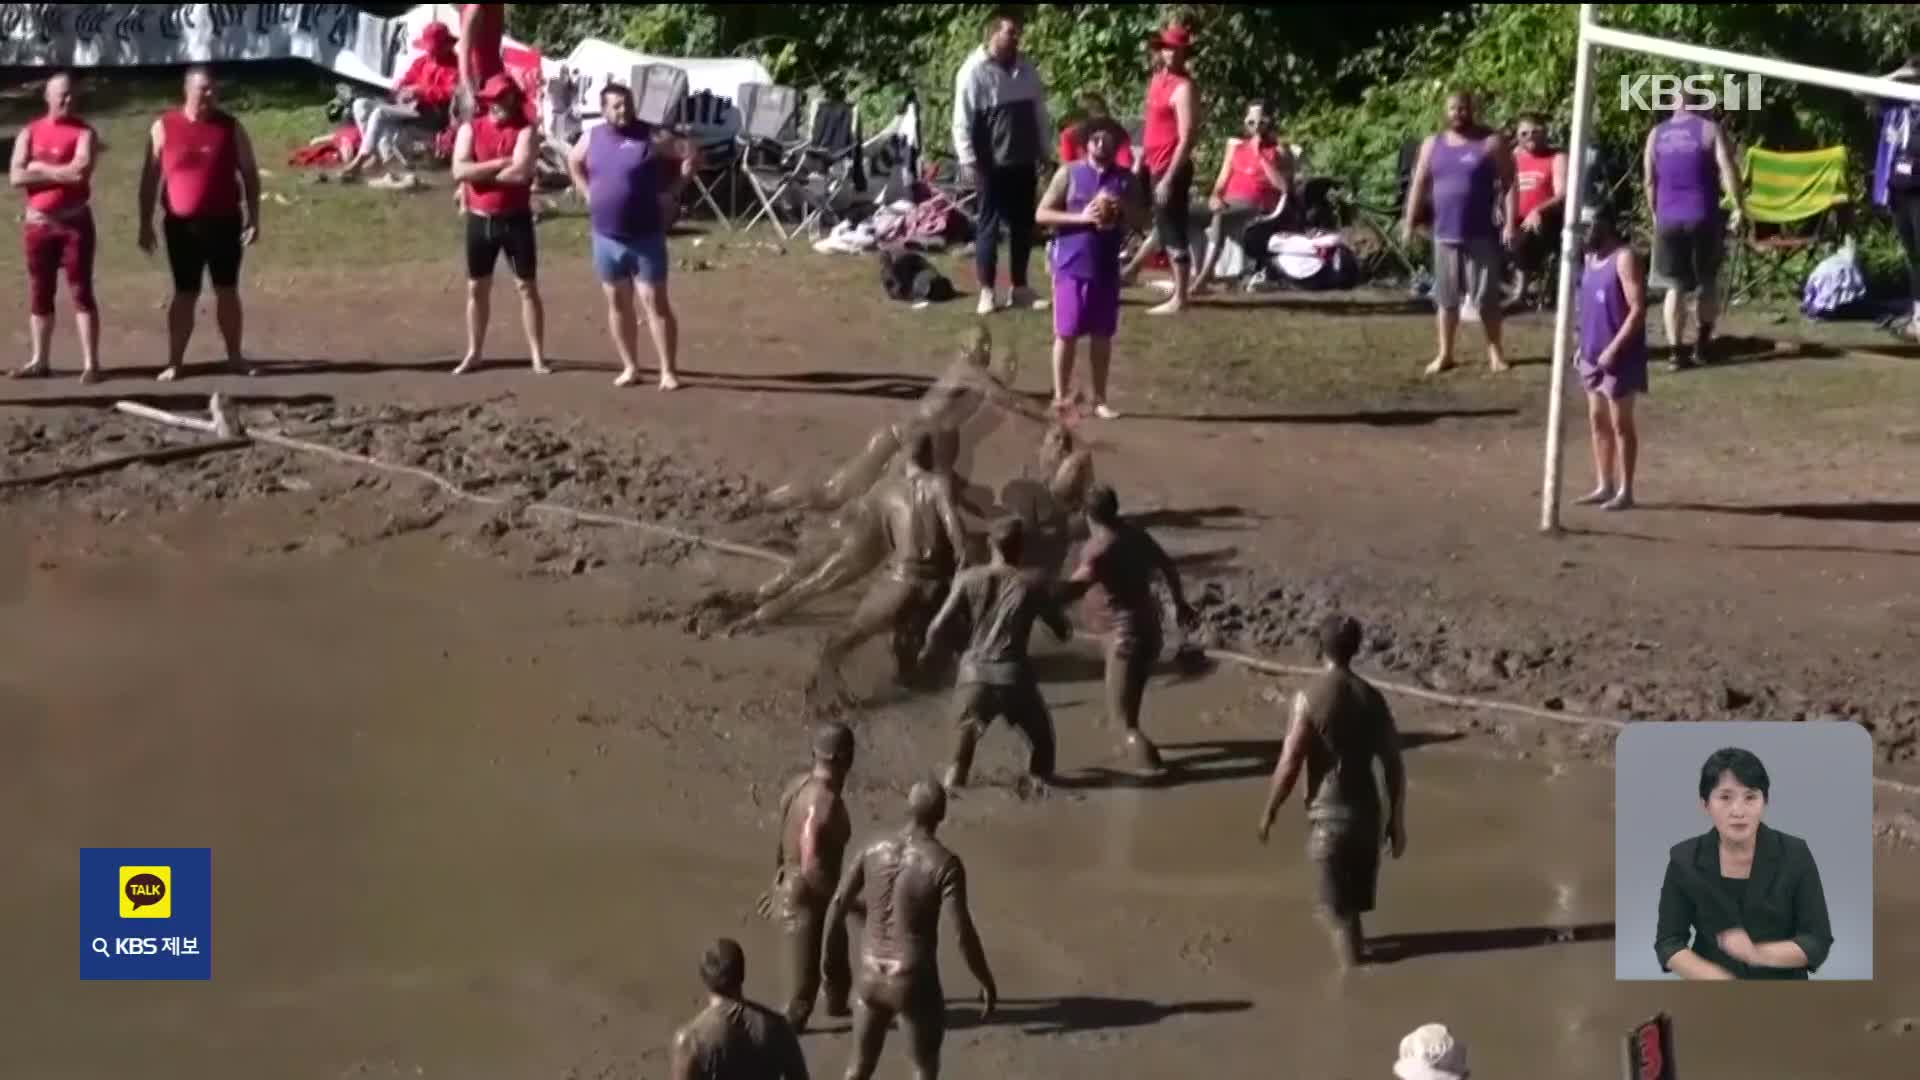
1783	902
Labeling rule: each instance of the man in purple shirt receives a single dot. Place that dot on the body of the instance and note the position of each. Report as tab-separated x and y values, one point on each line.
1687	164
626	172
1464	174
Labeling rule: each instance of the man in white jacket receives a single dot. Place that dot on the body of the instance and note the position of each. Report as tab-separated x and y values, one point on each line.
1000	133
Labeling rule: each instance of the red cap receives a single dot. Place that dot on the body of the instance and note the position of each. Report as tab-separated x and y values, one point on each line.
496	86
1174	37
434	35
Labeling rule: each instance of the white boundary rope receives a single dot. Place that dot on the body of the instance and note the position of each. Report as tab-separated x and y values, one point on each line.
223	426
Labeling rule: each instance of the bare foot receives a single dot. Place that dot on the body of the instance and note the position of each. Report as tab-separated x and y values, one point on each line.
1497	363
1171	307
669	381
32	369
89	376
1622	501
627	377
1595	497
1440	364
540	368
169	374
467	364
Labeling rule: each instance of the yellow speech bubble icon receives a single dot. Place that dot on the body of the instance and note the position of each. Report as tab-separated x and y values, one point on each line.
146	892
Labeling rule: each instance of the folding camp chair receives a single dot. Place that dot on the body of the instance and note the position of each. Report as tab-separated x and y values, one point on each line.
659	93
1794	202
765	141
712	124
813	173
1387	255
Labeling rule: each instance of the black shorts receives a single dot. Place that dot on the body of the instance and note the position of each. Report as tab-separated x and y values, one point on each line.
1173	222
1689	255
488	236
208	246
1537	247
1347	855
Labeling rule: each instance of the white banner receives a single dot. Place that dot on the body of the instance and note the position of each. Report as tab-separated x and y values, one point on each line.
339	37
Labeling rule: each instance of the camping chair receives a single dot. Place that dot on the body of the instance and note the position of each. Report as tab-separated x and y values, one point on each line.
764	142
1794	202
659	94
1388	254
827	157
712	124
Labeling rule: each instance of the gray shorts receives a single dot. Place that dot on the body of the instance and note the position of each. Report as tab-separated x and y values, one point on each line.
1471	272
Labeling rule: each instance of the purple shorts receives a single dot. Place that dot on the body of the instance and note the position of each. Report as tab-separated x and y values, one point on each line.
1083	307
1625	380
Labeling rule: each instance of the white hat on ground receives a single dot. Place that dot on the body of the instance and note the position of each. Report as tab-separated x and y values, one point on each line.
1429	1052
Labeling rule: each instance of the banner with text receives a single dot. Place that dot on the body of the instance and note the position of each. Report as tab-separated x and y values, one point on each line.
339	37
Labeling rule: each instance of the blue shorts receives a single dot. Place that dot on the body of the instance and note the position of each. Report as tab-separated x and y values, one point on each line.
621	260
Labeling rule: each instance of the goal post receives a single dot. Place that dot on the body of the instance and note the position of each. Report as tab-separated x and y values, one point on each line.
1593	37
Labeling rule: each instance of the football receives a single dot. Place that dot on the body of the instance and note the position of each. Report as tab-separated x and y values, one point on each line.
1106	210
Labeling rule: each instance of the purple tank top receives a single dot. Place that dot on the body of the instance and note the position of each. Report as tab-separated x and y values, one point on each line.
1603	310
1082	251
623	184
1464	179
1686	179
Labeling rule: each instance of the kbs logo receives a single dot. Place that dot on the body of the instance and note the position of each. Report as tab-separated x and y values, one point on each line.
1665	93
146	892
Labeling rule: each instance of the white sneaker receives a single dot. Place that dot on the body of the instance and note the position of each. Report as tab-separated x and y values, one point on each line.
1024	297
986	305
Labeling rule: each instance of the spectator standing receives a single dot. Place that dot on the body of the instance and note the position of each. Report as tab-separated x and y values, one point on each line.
1086	204
53	165
1612	360
1256	177
1899	164
1688	165
483	29
999	132
631	184
201	156
1464	172
423	98
1540	174
493	157
1166	162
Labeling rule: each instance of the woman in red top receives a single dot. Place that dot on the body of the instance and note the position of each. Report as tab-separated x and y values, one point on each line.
1256	176
423	98
1166	162
53	164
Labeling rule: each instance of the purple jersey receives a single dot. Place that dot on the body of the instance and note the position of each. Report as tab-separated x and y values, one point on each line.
623	182
1083	251
1464	182
1603	311
1686	177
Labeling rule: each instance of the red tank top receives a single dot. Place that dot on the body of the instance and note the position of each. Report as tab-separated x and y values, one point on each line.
1161	134
493	140
1247	179
53	141
1533	176
200	165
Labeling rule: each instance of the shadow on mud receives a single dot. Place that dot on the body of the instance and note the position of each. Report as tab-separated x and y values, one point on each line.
1393	948
1064	1015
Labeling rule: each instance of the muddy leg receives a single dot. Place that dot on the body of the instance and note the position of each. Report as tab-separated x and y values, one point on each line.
910	634
1035	724
869	1038
1129	666
851	481
1345	935
967	709
802	928
877	613
836	968
860	551
926	1025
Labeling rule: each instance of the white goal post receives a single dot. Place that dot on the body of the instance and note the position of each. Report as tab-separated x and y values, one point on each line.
1593	36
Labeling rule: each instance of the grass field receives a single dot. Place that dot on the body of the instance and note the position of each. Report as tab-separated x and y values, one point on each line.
1277	352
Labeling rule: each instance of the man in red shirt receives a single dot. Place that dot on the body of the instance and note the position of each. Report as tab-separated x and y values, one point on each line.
493	158
204	160
482	29
1166	161
423	98
1540	171
53	164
